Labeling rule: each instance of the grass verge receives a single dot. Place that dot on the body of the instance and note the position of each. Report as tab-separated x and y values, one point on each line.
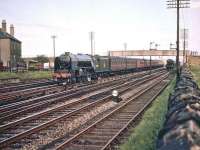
5	75
26	75
144	136
196	73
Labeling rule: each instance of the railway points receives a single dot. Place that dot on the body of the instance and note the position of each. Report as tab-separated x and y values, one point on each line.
112	124
125	83
96	110
81	115
99	76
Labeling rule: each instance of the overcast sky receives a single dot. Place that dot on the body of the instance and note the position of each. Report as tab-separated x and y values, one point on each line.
136	22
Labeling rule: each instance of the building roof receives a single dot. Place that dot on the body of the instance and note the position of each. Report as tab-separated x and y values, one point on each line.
5	35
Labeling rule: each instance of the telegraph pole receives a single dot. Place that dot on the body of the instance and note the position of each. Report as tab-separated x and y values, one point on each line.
54	48
178	4
150	48
177	41
183	46
185	37
0	50
125	48
92	42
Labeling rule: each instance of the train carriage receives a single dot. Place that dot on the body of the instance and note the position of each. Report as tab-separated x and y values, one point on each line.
131	63
118	65
102	64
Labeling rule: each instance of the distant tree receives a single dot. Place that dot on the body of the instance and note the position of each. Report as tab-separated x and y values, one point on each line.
42	59
21	60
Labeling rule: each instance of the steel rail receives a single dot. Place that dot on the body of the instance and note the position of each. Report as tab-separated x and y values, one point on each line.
108	145
34	84
73	90
62	146
13	113
73	93
24	86
33	130
26	104
11	97
34	116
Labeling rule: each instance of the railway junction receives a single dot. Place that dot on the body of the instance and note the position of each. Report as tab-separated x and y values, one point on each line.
75	94
102	114
93	102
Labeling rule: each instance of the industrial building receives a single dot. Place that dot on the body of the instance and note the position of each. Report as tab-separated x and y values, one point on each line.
32	60
10	47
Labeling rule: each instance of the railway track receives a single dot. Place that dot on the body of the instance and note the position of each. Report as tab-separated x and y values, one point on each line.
6	83
26	86
31	124
9	81
106	132
37	88
34	83
20	92
19	95
13	110
15	96
26	108
10	96
22	109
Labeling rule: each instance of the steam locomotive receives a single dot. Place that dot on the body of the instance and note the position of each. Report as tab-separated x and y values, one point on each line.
82	67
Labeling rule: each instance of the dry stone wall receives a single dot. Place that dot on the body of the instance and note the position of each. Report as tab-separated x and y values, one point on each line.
181	129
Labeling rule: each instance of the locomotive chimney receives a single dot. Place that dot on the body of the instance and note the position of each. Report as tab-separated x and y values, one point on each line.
4	25
12	32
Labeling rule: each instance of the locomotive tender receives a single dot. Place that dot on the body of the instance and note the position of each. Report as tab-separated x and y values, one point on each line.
81	67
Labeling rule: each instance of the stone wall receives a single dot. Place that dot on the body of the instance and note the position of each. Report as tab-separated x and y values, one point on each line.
181	129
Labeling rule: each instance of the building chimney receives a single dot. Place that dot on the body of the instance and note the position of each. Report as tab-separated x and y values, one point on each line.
4	25
12	32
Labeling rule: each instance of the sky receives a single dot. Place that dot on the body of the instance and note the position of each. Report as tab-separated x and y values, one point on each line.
114	22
